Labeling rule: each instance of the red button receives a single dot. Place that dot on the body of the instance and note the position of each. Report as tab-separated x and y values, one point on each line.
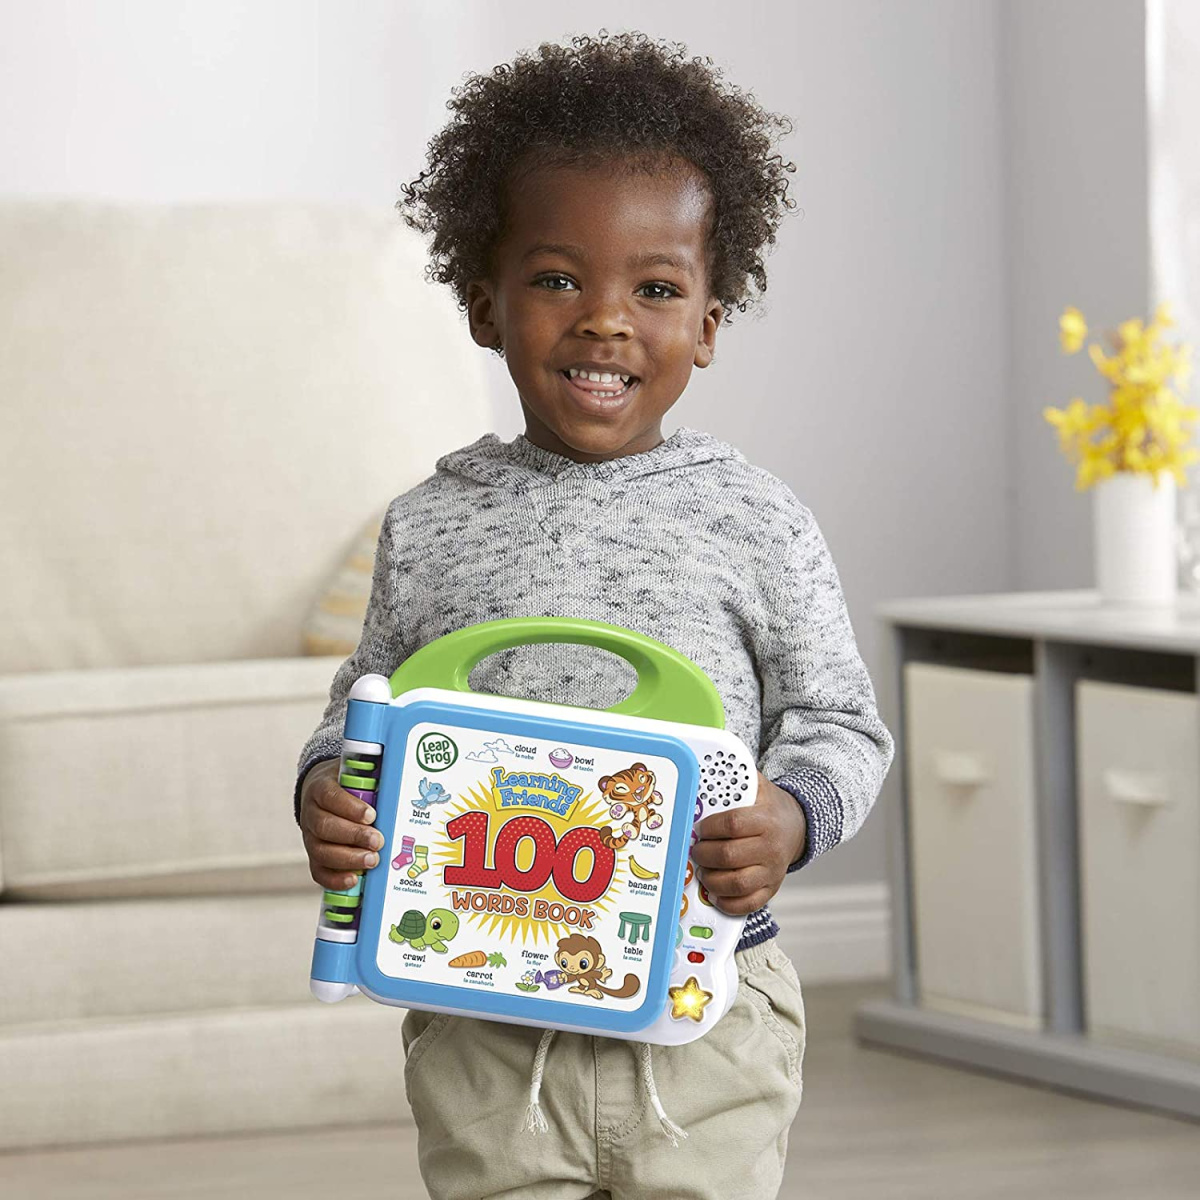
695	956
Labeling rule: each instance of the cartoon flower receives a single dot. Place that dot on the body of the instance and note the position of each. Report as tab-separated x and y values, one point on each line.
528	982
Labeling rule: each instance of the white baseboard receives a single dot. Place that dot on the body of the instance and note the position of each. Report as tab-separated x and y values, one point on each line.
835	934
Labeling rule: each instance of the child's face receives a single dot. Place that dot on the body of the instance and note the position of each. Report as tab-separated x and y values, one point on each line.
554	309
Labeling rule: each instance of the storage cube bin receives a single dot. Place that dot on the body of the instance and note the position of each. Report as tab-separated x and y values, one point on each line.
971	789
1138	770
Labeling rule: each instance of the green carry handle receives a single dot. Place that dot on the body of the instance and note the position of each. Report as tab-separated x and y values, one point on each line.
670	686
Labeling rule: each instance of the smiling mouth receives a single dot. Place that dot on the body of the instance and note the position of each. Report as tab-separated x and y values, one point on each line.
600	392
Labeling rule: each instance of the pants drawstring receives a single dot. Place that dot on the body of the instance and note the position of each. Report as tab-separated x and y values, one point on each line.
535	1120
673	1131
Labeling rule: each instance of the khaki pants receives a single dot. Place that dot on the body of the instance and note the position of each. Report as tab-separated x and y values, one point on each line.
735	1091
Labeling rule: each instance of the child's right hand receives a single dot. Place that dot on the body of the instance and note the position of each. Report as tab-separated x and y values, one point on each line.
337	829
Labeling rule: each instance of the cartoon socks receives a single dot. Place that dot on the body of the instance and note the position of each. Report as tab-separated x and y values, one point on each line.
420	862
418	856
406	854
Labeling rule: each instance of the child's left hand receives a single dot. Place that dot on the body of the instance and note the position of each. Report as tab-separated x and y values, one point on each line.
743	854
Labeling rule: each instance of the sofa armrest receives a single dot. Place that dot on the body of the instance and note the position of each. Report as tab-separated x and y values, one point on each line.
155	780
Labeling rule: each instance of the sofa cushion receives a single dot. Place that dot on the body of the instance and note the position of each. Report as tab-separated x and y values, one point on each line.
109	959
197	1074
334	624
155	780
200	402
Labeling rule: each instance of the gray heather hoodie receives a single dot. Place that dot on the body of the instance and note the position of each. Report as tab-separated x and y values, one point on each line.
688	543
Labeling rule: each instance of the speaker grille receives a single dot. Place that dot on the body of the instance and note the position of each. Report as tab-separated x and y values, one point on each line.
723	779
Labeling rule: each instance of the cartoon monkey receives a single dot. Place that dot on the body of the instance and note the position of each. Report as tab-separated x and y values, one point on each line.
580	959
630	794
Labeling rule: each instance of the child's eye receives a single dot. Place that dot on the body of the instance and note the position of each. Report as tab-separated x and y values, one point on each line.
551	281
665	287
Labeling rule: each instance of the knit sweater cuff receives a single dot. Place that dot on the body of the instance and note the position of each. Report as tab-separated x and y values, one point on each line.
308	766
822	811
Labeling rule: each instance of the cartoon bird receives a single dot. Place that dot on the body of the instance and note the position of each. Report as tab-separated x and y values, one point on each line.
431	793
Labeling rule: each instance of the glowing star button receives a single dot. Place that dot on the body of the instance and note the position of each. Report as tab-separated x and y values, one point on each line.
689	1000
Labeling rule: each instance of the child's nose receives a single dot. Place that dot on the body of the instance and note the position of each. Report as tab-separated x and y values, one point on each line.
607	316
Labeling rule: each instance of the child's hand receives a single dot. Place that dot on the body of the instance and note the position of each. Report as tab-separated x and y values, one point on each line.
337	829
743	854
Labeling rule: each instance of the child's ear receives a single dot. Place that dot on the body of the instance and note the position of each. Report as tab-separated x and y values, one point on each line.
706	345
481	314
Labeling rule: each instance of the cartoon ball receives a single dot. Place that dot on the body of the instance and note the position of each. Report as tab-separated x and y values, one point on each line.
561	757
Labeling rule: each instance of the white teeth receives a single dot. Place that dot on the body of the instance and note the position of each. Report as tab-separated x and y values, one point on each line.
598	376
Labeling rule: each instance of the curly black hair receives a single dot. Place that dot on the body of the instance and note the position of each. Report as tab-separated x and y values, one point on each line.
624	100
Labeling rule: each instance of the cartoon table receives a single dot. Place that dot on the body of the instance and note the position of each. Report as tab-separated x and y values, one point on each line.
639	926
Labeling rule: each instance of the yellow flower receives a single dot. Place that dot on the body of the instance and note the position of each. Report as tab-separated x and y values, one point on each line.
1072	329
1093	468
1110	368
1141	429
1070	419
1072	424
1131	335
1142	371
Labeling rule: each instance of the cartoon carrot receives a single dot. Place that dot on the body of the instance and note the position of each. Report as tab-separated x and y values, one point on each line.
476	958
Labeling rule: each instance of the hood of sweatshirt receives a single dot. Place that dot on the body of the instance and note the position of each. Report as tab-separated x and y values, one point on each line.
497	463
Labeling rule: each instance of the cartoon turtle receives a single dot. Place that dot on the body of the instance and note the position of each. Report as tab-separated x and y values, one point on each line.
420	931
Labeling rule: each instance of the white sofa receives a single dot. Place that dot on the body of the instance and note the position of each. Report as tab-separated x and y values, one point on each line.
202	405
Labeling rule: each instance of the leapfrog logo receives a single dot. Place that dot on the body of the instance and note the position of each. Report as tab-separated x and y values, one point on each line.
436	752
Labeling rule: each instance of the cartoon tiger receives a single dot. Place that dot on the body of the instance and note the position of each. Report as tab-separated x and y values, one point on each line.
630	794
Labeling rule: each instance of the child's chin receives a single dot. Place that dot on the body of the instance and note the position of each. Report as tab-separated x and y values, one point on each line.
589	438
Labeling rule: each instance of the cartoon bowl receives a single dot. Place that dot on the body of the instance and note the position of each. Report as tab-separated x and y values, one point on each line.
561	757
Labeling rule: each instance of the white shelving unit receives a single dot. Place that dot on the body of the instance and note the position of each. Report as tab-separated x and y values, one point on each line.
1044	841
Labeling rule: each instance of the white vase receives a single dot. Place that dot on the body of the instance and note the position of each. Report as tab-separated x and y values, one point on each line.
1134	526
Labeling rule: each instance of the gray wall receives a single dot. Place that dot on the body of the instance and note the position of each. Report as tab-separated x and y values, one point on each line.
1077	231
954	171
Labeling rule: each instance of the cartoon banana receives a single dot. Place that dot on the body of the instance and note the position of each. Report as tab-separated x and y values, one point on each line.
641	871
